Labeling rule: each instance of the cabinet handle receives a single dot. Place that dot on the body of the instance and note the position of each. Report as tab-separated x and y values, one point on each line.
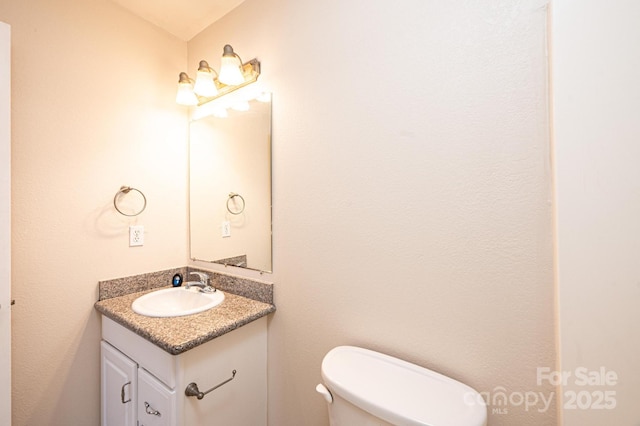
122	393
149	409
192	388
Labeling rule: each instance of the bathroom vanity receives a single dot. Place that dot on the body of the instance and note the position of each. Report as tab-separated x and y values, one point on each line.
150	366
145	384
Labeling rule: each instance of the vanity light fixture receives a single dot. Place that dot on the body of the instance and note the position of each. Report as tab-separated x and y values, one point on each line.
209	85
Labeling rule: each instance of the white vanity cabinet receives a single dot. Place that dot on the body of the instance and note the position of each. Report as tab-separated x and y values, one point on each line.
143	385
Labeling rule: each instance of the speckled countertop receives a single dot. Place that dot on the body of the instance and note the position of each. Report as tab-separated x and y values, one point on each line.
179	334
245	300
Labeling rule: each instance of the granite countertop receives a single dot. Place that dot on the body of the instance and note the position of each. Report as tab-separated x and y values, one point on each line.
179	334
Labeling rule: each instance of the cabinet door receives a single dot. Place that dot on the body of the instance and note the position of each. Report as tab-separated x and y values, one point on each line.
156	402
118	388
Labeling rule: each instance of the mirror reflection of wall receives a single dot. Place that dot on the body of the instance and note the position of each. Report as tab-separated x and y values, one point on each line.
232	155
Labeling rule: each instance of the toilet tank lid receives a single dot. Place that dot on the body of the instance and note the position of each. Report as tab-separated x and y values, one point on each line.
400	392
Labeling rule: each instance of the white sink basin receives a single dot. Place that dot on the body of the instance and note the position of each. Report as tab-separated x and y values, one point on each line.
176	302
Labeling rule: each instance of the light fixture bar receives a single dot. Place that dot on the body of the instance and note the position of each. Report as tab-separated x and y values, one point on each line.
209	84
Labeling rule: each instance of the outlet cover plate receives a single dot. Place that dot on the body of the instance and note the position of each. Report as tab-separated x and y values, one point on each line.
136	235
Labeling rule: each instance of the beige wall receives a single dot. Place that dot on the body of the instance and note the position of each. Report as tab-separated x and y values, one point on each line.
596	132
411	213
93	109
412	208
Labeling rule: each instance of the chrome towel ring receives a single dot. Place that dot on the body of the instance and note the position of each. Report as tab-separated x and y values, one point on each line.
232	195
125	190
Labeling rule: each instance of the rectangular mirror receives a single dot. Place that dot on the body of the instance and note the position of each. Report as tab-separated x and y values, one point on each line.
230	187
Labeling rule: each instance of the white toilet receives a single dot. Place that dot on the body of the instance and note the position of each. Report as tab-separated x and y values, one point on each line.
367	388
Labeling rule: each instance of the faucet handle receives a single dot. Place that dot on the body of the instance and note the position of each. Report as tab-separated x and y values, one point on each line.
204	278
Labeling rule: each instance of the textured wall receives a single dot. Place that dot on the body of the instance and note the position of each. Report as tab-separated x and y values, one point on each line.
596	132
93	109
412	189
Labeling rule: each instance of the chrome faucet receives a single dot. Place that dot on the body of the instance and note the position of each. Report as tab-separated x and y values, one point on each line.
203	283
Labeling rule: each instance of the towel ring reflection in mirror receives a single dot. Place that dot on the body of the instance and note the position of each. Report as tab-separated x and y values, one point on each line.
232	195
125	190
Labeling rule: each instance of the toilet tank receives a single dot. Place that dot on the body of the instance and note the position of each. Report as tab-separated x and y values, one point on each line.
369	385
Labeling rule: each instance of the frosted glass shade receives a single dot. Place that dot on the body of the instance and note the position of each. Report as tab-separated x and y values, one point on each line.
230	71
205	86
186	95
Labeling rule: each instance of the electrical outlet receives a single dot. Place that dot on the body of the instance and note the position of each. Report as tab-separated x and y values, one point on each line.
226	229
136	235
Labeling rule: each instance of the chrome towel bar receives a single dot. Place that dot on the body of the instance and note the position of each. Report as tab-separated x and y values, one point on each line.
192	388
